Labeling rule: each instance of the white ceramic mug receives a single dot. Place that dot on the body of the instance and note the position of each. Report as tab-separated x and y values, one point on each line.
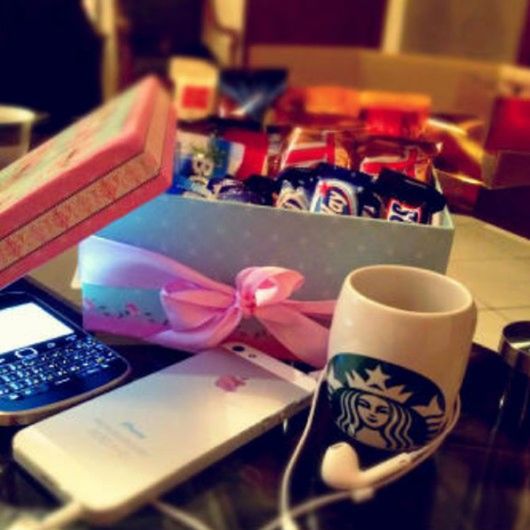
398	349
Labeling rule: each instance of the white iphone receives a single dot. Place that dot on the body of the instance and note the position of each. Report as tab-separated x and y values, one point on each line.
123	449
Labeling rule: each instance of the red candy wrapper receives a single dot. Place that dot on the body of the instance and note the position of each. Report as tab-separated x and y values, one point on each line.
255	156
412	158
305	147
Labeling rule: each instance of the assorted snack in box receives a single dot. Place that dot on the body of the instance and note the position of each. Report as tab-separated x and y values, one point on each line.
328	150
339	169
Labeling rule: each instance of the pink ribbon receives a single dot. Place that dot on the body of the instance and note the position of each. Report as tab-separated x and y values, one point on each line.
202	312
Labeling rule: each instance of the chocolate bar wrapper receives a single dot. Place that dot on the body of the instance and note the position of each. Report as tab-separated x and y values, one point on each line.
334	197
413	158
407	200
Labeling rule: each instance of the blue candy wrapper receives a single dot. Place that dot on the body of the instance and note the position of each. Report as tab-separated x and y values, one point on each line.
200	158
335	197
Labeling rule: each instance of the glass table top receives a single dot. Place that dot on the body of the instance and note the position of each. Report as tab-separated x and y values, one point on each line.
478	480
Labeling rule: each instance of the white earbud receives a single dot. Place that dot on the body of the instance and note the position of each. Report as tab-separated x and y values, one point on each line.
340	468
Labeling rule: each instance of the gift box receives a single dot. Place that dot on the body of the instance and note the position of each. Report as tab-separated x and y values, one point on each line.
93	172
182	271
220	239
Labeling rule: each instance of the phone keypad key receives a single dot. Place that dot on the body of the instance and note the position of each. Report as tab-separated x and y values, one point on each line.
52	368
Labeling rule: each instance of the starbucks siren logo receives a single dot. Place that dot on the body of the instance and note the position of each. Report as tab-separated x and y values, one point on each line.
382	404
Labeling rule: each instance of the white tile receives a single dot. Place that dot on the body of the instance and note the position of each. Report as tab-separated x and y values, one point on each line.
482	241
489	328
516	313
461	220
453	270
505	234
500	283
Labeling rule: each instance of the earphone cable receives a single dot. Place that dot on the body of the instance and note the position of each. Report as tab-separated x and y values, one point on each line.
286	518
287	515
306	507
288	522
180	516
55	520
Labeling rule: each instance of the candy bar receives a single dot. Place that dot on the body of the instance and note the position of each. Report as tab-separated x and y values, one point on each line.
367	204
334	196
407	200
264	187
299	177
413	158
292	198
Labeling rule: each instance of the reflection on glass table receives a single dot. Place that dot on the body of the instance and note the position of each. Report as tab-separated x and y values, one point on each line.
479	479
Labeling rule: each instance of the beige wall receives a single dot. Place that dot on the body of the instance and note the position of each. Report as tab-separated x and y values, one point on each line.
476	29
230	14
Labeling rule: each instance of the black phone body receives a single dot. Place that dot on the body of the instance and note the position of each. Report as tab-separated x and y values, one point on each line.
47	362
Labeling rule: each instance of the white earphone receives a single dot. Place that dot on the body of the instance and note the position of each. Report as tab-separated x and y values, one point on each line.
340	465
340	470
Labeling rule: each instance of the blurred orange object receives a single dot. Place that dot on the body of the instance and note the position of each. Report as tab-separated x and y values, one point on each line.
460	137
318	107
385	113
394	113
332	100
459	165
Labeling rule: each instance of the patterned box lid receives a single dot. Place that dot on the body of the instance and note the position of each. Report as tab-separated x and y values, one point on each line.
90	174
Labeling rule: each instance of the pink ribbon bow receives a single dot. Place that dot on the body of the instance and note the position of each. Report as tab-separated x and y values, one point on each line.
202	312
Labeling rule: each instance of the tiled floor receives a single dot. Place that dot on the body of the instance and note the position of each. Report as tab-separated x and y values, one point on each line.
495	266
492	263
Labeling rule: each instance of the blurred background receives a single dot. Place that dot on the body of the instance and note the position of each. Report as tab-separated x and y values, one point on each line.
62	58
65	56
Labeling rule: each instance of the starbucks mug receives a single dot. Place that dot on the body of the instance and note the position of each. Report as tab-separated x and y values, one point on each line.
398	350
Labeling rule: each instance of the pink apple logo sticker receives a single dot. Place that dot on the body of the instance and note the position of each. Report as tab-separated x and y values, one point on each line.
230	383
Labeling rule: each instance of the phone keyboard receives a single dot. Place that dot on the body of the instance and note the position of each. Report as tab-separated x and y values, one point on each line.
41	372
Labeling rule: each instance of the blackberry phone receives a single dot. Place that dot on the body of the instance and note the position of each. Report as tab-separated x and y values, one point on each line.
47	362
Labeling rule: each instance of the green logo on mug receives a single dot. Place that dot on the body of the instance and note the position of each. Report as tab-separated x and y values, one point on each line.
383	405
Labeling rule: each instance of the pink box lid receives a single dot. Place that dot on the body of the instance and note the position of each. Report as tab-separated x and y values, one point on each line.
90	174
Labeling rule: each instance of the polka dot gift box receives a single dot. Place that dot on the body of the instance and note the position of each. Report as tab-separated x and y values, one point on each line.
221	239
183	271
